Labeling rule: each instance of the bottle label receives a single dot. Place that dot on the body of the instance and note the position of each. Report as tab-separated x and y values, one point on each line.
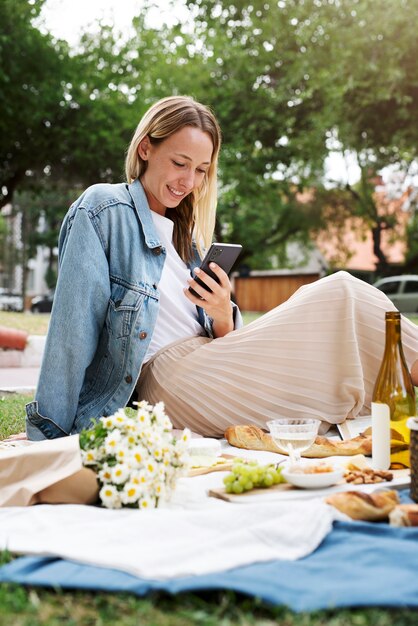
380	436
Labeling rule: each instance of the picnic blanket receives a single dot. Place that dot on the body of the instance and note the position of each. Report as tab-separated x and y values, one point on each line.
351	567
281	550
165	543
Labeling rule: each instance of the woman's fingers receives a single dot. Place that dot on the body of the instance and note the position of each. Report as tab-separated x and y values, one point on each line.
223	280
17	437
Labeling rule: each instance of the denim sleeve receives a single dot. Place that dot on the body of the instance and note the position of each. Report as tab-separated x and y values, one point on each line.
78	315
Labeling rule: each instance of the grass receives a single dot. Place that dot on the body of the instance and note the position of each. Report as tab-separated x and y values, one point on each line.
37	323
12	414
29	606
32	323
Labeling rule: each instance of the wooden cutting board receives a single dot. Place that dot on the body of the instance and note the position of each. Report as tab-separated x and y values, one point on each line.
401	480
239	497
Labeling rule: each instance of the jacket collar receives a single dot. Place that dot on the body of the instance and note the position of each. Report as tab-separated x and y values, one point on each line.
143	212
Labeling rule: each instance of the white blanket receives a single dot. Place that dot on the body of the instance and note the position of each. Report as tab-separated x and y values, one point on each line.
168	543
193	534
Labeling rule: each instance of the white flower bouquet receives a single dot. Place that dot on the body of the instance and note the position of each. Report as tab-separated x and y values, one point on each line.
136	456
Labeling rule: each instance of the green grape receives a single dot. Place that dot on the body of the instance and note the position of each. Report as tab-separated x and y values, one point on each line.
247	475
242	480
237	488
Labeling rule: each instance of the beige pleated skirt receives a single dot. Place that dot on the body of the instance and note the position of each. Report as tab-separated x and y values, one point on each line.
315	355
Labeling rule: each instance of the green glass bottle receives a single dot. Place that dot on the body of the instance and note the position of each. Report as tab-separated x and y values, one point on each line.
393	398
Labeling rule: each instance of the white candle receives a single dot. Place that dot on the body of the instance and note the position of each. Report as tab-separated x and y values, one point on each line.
380	436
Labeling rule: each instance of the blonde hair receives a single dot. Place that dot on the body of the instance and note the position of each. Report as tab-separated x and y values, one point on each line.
195	216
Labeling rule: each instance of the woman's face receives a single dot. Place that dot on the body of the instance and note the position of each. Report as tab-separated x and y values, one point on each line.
175	167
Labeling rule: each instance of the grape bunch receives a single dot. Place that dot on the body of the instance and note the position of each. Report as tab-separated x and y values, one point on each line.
247	475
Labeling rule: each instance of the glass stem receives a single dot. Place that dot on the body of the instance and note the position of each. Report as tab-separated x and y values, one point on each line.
293	454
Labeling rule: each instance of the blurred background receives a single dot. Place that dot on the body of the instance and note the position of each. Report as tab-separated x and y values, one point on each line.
318	104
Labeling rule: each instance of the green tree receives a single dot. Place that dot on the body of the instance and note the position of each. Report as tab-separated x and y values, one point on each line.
293	75
32	102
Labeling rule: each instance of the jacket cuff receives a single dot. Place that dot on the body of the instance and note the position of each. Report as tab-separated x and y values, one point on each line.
39	427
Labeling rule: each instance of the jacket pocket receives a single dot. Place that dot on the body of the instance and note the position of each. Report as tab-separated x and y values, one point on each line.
123	309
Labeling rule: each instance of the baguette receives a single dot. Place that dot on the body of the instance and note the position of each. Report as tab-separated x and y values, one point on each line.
404	515
251	437
362	506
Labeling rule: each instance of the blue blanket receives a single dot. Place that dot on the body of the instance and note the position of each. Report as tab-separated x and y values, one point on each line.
352	567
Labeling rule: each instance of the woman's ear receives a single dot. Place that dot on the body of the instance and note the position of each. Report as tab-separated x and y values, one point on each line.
144	147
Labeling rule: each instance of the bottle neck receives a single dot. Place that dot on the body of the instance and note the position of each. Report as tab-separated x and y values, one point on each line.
393	332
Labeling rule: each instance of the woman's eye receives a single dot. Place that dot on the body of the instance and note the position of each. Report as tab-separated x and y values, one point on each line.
201	171
178	164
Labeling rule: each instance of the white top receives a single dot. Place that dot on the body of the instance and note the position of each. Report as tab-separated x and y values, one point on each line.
177	317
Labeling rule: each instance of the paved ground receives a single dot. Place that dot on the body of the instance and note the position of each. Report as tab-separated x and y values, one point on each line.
18	378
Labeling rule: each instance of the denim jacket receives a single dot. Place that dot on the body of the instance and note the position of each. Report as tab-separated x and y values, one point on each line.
104	312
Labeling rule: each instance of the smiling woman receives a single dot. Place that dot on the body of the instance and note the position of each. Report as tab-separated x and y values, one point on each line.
126	256
125	326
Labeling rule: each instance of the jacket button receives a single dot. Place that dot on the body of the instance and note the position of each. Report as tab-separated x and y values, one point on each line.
155	286
142	335
157	251
128	379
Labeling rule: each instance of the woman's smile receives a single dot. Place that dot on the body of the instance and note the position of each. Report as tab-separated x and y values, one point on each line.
177	194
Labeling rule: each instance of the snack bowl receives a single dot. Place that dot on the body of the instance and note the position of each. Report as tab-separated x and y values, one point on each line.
305	476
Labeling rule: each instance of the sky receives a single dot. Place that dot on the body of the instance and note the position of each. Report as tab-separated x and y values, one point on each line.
66	18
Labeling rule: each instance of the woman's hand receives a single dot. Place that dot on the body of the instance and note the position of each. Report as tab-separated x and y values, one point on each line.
18	437
217	302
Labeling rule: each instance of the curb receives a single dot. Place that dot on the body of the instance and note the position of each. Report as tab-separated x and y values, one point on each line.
31	356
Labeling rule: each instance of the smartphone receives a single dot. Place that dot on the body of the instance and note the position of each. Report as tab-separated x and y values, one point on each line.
224	255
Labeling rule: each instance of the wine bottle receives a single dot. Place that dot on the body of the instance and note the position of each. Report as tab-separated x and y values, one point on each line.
393	402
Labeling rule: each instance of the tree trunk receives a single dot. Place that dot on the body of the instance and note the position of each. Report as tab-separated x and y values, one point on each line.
382	265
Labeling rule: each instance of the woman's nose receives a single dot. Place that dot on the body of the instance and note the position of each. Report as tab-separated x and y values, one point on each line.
188	179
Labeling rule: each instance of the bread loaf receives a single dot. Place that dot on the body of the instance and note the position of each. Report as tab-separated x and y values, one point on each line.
362	506
404	515
251	437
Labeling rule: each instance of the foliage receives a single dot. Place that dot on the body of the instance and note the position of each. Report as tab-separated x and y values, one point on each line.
31	94
305	78
290	82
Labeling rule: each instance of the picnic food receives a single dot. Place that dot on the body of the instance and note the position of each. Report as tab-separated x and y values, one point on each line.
367	476
204	446
362	506
247	475
317	468
404	515
253	438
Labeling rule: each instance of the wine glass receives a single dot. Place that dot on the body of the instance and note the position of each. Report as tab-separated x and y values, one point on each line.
294	435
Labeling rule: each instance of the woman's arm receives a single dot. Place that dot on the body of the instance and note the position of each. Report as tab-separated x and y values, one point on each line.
78	315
